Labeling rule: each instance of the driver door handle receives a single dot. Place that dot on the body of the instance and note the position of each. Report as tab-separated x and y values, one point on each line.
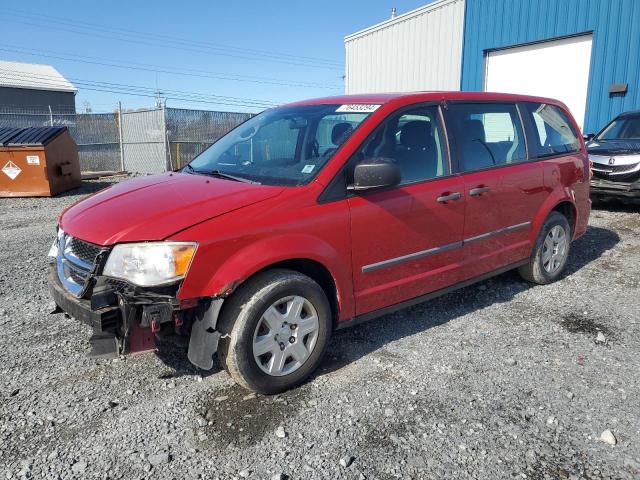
474	192
449	197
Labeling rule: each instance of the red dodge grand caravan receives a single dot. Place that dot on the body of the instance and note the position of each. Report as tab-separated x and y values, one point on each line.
318	215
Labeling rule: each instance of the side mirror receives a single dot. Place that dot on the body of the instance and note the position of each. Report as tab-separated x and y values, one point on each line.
372	173
588	136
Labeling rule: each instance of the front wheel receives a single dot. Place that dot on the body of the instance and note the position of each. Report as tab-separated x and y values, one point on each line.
551	251
277	326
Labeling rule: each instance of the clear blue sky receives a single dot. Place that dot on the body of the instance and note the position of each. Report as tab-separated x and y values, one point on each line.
130	33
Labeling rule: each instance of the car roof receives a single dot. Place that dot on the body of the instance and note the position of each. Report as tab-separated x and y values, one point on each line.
411	97
631	113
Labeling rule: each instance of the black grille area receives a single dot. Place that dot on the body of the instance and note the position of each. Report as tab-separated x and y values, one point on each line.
618	177
110	321
614	168
78	276
85	251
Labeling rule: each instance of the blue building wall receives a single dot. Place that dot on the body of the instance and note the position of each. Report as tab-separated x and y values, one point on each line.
615	56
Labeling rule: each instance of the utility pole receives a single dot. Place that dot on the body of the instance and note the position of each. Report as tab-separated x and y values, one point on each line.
120	135
159	102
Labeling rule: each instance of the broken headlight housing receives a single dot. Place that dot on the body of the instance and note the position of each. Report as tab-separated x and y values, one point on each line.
151	263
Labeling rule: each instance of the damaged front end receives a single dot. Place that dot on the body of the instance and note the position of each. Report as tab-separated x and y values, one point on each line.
127	318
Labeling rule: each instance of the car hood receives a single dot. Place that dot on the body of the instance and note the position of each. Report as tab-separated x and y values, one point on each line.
155	207
613	147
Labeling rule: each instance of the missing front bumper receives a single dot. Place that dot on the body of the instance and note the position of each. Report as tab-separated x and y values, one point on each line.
105	319
105	322
125	322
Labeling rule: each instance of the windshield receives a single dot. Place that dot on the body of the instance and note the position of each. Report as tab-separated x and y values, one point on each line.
625	128
283	146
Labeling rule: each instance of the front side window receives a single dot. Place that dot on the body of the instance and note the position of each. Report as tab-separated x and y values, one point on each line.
486	134
413	140
283	146
553	133
625	128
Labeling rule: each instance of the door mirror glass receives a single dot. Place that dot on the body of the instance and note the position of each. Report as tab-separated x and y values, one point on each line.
588	136
372	173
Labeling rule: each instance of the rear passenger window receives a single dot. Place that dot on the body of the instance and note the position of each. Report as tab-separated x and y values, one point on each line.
487	134
553	133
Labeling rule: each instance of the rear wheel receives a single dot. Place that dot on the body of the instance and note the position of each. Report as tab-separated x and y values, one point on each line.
551	251
278	325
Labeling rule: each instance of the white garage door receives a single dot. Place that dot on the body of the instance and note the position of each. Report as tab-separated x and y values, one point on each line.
557	69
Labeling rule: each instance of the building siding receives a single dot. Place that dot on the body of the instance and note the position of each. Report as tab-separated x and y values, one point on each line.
420	50
495	24
36	101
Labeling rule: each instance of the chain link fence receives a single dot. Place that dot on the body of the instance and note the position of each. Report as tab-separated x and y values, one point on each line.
98	139
143	141
189	132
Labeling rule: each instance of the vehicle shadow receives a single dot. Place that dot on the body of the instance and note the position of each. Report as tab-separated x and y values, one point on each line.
350	345
174	356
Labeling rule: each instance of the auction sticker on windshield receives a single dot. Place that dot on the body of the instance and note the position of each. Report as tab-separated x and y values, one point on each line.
11	170
357	108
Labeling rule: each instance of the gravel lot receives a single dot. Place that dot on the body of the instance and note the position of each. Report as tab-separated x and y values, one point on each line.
498	380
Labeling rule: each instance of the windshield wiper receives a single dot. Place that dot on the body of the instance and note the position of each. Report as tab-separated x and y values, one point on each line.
219	174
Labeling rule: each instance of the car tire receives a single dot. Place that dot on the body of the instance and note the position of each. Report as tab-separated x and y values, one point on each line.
260	317
551	251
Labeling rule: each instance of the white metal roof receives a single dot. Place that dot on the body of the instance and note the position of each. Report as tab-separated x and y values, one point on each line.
433	5
33	76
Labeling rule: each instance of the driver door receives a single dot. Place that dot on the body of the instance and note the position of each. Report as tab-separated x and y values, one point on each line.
406	240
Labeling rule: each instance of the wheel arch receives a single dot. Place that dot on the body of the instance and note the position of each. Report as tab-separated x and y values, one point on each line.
569	210
302	253
313	269
563	204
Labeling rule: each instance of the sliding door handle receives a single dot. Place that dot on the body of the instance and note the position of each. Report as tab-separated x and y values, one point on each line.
474	192
449	197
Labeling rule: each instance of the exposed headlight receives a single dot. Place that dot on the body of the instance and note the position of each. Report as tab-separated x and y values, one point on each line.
53	251
150	264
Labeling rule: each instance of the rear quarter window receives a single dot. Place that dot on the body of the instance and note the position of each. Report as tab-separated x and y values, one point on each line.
486	134
552	132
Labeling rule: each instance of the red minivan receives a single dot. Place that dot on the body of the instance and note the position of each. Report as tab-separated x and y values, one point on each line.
318	215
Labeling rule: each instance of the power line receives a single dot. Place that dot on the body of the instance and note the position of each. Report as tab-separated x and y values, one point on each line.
137	90
158	68
188	92
172	42
85	24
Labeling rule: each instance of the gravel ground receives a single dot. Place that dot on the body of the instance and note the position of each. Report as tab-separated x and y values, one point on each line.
498	380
